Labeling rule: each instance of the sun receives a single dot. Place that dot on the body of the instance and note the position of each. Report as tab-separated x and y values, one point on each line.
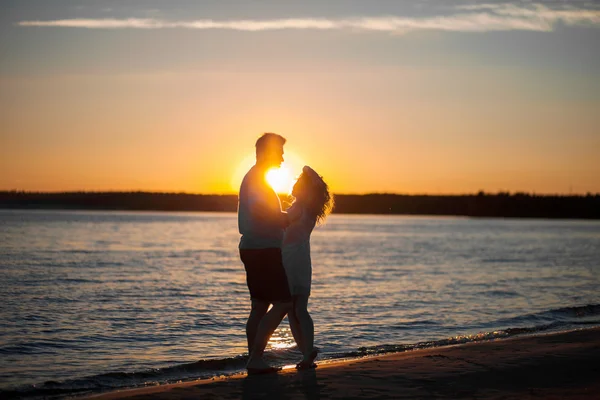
280	179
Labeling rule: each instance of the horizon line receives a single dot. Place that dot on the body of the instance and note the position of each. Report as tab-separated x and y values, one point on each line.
474	193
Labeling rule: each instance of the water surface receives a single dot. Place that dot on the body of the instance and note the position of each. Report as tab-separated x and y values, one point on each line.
99	300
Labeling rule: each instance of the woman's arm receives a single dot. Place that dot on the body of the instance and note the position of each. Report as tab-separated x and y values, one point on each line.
294	212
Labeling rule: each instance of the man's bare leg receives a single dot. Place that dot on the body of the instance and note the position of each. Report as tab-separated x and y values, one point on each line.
257	312
267	326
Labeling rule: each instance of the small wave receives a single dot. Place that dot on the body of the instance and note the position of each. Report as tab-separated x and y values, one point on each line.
78	280
117	380
397	348
502	260
40	347
77	251
409	325
558	319
581	311
201	369
564	315
499	293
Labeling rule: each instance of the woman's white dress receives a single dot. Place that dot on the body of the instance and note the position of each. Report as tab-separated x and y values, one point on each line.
296	250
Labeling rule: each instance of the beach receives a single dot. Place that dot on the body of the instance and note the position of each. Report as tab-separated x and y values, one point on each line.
549	366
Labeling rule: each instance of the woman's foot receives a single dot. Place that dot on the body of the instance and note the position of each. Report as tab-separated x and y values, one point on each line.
309	360
302	365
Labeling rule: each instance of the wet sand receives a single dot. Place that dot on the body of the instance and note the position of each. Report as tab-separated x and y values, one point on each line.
553	366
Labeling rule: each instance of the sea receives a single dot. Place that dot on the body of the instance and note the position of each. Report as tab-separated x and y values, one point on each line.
93	301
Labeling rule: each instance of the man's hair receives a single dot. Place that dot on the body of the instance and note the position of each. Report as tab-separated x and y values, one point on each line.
268	140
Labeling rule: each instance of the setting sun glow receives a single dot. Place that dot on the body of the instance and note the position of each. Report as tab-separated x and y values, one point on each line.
280	179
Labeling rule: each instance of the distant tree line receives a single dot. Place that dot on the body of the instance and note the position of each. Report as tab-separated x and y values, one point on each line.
148	201
517	205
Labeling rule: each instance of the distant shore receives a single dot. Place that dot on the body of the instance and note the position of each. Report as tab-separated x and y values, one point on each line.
558	366
503	205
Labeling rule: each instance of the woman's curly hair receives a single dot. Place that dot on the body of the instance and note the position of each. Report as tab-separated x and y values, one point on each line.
320	199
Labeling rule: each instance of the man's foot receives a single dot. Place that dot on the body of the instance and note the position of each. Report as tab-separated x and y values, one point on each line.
260	367
259	371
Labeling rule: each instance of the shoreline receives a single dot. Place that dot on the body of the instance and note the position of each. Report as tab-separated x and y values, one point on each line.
336	213
551	365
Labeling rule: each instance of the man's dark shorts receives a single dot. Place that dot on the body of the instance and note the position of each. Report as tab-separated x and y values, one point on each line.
265	275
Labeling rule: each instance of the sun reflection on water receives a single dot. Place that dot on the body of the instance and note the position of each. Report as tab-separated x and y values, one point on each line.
281	339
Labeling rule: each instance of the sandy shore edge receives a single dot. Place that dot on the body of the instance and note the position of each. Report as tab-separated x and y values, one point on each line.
548	366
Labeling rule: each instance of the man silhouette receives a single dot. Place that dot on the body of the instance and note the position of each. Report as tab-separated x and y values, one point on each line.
261	224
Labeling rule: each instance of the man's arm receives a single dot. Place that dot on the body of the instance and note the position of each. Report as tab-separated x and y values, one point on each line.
263	209
285	220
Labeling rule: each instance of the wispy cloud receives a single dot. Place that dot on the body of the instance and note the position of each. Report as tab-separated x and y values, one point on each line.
468	18
568	15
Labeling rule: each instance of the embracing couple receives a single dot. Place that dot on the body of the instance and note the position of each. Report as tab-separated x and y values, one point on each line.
275	250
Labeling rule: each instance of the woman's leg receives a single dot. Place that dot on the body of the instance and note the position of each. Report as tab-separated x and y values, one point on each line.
295	328
307	328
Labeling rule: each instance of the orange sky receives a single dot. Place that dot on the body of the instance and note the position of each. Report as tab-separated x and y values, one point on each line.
176	110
